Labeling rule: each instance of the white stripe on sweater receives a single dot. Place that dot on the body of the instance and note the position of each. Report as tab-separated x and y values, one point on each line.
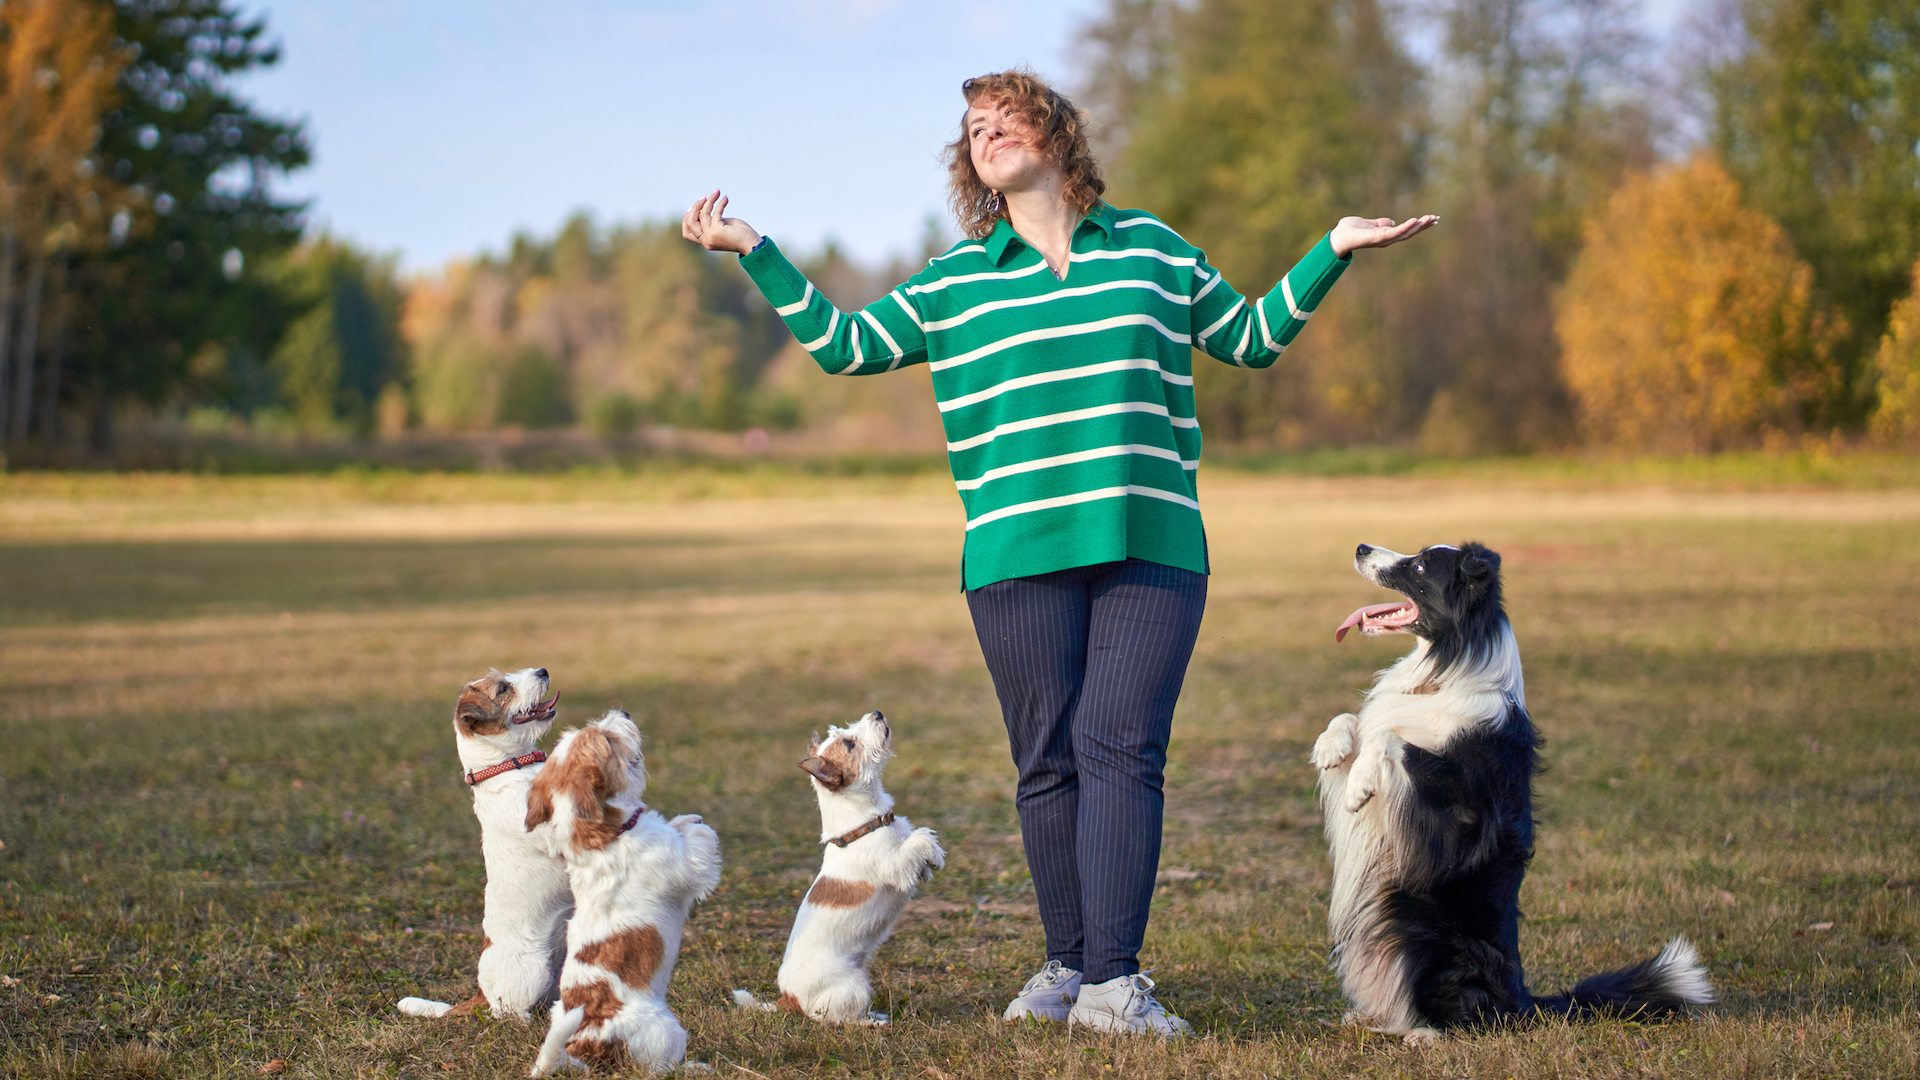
1058	294
1075	458
1077	498
1052	419
1050	332
1064	374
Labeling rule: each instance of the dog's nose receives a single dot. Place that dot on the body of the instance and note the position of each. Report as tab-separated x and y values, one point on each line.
1362	551
541	672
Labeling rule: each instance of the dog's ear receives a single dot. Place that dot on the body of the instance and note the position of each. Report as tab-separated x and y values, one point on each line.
1480	564
825	771
539	803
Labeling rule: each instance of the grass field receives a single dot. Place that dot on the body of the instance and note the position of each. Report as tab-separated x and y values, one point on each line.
234	831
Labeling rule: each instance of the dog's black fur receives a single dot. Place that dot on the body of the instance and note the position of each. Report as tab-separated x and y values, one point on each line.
1461	825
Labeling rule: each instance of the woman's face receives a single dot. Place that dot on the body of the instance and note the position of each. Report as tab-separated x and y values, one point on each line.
1000	143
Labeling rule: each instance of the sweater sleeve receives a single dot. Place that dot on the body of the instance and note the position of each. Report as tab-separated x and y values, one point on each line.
1254	335
885	335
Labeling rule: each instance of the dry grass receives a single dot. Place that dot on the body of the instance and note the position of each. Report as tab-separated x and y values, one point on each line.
234	833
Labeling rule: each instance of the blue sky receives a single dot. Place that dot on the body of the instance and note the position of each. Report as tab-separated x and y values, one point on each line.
443	127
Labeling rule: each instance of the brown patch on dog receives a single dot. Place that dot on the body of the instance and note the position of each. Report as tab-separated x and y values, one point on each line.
839	893
589	773
482	706
635	955
831	763
598	1053
787	1003
470	1006
599	998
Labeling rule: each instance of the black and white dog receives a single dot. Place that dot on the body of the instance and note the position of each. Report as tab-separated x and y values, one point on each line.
1428	798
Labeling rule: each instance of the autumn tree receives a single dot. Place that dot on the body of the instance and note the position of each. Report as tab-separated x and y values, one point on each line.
58	63
1818	118
1688	324
1896	417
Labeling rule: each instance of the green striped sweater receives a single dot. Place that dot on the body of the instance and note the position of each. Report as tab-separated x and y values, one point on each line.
1068	404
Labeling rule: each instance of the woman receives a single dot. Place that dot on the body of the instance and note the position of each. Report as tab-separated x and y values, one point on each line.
1059	335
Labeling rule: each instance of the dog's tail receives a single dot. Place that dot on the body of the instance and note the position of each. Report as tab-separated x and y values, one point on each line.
744	999
1665	985
553	1052
432	1010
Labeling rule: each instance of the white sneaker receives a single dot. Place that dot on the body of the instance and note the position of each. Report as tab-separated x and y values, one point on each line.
1126	1005
1049	995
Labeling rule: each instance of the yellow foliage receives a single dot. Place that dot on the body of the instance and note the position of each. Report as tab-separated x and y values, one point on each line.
1687	323
1896	421
58	62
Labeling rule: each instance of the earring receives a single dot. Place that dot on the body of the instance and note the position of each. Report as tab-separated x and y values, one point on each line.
996	202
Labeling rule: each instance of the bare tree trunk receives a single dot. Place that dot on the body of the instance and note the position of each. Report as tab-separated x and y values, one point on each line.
8	249
29	347
49	425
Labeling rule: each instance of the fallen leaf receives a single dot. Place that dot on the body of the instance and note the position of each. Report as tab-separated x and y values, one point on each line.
1727	897
53	999
938	1074
1821	926
273	1066
8	980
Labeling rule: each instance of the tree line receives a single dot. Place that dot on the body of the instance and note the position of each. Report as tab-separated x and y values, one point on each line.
1692	246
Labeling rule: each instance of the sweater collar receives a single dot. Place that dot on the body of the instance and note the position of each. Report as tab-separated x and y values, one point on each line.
1003	235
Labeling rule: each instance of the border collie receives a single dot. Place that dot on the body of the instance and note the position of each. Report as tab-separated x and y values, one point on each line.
1428	798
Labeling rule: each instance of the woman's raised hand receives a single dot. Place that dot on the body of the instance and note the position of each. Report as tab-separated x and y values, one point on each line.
1354	233
705	226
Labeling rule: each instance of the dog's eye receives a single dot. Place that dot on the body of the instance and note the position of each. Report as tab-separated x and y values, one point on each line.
849	743
1419	568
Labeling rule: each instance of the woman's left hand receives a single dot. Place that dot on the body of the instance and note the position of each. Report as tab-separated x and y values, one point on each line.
1354	233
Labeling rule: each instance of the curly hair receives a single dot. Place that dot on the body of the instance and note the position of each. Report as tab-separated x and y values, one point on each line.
1060	132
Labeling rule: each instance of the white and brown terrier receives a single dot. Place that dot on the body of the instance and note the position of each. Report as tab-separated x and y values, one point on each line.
635	876
497	721
875	860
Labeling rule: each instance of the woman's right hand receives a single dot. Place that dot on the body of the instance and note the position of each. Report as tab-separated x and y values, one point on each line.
705	226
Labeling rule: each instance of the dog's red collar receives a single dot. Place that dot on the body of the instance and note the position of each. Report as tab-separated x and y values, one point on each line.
635	819
474	776
846	838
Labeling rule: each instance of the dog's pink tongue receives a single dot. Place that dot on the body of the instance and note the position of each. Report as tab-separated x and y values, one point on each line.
1360	616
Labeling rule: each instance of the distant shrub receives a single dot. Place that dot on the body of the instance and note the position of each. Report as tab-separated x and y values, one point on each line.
533	393
1687	323
613	414
1896	419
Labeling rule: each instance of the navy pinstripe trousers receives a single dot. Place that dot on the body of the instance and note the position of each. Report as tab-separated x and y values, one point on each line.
1088	663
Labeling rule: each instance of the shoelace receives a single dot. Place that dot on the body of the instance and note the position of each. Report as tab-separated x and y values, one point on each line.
1142	1001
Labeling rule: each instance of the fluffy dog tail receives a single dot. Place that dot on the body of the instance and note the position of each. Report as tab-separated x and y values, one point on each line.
553	1052
1665	985
744	999
432	1010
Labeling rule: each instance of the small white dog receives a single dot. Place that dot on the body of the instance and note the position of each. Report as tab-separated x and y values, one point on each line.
875	860
635	876
496	723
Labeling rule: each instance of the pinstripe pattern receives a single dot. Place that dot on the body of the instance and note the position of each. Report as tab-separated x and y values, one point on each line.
1088	664
1067	402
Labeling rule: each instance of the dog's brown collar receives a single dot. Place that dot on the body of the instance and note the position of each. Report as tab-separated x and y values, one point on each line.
849	837
635	819
474	776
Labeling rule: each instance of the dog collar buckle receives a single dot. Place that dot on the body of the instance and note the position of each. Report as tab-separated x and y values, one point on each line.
846	838
635	819
475	776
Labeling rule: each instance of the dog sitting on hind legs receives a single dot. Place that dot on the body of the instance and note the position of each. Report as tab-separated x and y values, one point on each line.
497	722
635	877
1428	800
875	860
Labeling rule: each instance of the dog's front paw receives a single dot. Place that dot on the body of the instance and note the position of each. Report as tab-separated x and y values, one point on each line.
1359	794
1336	744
